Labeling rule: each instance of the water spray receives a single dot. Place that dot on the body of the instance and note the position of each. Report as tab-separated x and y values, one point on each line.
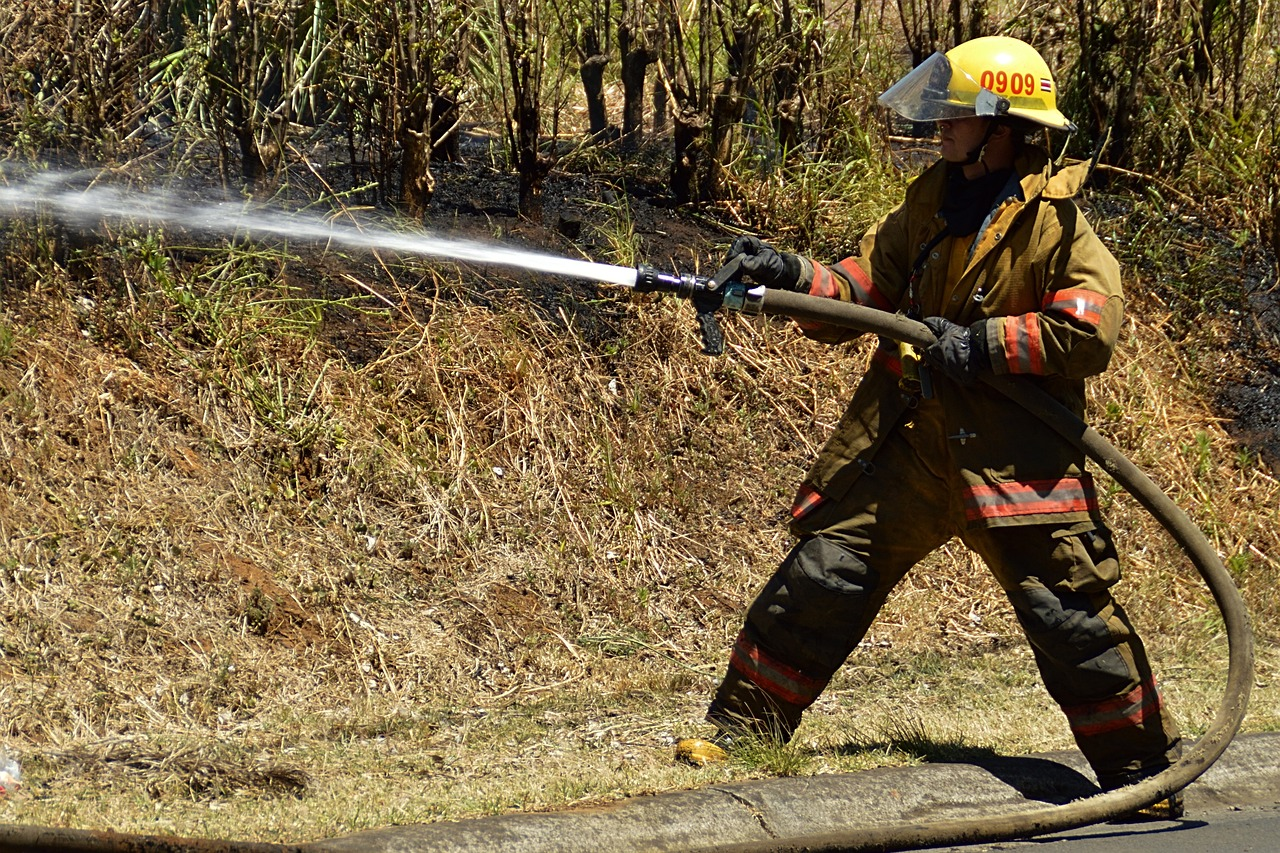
49	194
710	295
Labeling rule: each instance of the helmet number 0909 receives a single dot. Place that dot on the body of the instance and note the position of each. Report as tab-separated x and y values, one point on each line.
1001	82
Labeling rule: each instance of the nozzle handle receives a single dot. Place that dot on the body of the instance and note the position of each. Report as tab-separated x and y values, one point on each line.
709	327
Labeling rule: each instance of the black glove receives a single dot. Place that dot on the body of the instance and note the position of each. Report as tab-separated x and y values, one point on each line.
766	265
960	352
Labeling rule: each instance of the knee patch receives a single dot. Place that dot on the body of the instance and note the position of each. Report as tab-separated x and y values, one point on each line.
1069	630
1067	621
831	567
812	612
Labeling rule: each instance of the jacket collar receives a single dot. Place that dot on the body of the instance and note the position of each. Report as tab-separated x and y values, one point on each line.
1042	178
1036	178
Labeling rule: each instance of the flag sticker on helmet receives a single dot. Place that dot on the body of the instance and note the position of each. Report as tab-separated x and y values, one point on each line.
1046	85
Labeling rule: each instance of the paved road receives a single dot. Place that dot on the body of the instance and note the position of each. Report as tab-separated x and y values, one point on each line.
1248	830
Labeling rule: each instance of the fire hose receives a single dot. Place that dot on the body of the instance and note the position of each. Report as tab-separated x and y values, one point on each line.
710	295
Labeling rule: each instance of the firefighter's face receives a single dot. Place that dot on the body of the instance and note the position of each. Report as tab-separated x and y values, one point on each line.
961	136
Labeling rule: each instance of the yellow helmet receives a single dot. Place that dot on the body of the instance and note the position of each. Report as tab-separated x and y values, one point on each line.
989	76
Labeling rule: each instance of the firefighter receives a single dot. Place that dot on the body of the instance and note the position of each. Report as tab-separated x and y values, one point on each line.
991	253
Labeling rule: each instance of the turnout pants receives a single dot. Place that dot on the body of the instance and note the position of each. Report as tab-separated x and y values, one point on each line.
820	602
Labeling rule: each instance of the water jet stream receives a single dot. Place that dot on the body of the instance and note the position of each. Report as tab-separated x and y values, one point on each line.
47	193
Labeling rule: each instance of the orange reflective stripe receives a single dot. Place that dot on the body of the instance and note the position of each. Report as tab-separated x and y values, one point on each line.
862	288
888	359
807	500
1033	497
824	283
1121	712
1023	348
772	675
1077	303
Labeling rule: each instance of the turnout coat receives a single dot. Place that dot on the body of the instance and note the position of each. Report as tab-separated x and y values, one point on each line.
1048	294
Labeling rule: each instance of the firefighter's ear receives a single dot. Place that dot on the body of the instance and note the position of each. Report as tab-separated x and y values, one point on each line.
1001	131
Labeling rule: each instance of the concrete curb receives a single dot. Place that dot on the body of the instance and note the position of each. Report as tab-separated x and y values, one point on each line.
1247	774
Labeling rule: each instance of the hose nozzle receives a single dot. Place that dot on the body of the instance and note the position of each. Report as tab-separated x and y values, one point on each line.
709	295
652	280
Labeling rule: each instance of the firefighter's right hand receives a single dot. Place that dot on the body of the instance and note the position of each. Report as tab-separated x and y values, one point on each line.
765	265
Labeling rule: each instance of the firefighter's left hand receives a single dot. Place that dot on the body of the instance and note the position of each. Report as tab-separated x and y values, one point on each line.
959	352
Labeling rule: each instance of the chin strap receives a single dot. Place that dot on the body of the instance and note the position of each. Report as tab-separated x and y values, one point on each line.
975	156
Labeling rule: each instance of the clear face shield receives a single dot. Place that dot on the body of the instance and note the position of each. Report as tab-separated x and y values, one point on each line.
928	93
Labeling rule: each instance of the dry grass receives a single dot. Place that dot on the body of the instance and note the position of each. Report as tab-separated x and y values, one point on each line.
485	549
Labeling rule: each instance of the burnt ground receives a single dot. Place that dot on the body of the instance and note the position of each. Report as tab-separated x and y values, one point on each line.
1250	397
580	212
585	216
